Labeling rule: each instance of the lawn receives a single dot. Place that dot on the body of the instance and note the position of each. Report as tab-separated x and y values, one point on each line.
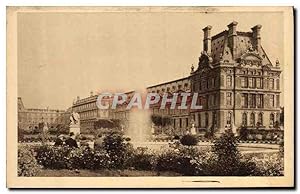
102	173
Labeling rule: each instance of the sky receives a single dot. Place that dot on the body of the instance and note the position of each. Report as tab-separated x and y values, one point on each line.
63	55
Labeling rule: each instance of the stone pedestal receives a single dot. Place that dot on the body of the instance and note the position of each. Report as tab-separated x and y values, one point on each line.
75	129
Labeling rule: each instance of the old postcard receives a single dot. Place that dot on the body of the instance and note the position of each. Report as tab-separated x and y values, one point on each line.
150	97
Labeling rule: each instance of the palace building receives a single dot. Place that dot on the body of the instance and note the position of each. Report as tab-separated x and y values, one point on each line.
237	84
30	118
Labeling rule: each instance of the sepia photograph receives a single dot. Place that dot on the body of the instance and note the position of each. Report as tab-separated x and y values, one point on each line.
150	97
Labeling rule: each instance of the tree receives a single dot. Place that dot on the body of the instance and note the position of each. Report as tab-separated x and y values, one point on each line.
227	161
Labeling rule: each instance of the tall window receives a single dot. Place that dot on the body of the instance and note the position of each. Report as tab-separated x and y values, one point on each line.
278	84
244	100
271	83
251	82
206	119
244	82
214	118
229	81
213	82
228	98
271	100
260	119
229	116
180	122
199	119
259	100
277	101
244	119
252	100
258	82
187	122
252	119
272	119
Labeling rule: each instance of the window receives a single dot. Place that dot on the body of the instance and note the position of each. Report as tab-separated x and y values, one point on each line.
271	83
251	82
212	99
229	81
213	82
229	118
271	119
252	100
252	119
228	98
259	100
278	84
244	119
244	82
258	82
214	118
260	119
244	100
206	119
187	122
199	119
180	123
277	101
271	100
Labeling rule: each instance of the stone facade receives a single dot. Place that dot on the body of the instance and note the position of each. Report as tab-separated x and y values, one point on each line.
236	82
89	112
30	118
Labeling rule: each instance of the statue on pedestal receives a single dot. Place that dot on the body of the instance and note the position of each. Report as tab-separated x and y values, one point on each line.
75	123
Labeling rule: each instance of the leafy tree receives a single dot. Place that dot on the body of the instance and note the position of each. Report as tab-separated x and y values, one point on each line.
227	161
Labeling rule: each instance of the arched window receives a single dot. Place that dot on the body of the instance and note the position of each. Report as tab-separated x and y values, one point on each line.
244	119
252	119
271	119
260	119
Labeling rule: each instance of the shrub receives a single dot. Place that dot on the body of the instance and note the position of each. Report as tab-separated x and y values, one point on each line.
141	159
77	158
227	160
53	157
27	164
187	161
189	140
244	133
118	149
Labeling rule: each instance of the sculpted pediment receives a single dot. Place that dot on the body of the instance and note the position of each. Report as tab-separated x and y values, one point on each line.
251	59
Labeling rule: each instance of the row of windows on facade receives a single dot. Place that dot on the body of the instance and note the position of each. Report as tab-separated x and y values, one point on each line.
39	120
257	100
229	120
257	82
175	111
259	119
85	106
93	113
168	89
251	82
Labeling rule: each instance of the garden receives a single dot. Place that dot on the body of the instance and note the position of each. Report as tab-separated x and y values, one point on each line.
118	157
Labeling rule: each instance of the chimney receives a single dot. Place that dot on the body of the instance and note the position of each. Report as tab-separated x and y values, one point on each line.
78	98
232	35
207	39
91	93
256	36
